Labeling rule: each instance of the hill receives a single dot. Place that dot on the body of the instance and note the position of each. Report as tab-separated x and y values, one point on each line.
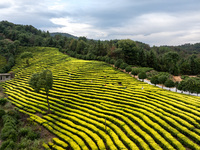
172	59
95	106
64	35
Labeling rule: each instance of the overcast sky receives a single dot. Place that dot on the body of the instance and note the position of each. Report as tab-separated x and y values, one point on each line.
154	22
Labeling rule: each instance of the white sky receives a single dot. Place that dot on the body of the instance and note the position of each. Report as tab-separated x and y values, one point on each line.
154	22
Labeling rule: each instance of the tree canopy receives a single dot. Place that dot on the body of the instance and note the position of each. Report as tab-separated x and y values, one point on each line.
42	81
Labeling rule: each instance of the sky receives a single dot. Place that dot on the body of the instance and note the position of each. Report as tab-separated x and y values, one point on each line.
154	22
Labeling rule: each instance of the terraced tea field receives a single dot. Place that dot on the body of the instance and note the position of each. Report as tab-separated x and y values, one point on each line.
96	107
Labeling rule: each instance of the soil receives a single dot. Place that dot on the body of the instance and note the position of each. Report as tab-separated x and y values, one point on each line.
177	78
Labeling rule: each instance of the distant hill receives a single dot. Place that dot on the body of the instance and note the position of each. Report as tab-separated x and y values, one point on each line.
63	34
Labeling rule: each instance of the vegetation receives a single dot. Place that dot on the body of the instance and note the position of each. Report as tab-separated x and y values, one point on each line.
14	134
174	60
138	115
93	105
43	80
142	75
27	56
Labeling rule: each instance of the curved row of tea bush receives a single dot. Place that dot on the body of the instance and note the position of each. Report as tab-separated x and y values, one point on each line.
95	106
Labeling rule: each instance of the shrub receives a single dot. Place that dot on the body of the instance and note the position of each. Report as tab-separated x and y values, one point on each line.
142	75
8	132
24	143
134	71
128	69
112	61
2	113
162	79
169	83
123	65
107	60
118	63
8	144
3	101
99	58
154	80
32	135
24	131
14	114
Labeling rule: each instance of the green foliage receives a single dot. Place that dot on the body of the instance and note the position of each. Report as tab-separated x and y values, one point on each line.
190	84
144	69
2	113
32	135
128	69
3	101
162	79
135	71
8	145
154	80
169	83
123	65
42	80
112	61
2	61
24	131
107	60
130	51
9	129
27	56
13	113
142	75
118	63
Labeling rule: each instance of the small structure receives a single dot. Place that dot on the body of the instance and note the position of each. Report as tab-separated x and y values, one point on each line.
6	76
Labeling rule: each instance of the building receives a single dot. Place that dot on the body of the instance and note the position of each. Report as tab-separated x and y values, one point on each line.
6	76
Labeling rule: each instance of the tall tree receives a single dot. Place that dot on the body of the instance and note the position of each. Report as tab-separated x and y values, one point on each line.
142	75
154	80
162	79
27	56
171	59
151	59
42	80
130	51
169	83
142	58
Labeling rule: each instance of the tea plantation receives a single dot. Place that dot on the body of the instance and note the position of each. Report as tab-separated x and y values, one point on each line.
95	106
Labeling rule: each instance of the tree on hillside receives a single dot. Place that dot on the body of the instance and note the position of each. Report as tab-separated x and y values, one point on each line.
129	50
162	79
42	80
27	56
190	85
142	75
194	65
171	59
154	80
135	71
142	58
169	83
81	45
184	67
152	59
128	69
118	63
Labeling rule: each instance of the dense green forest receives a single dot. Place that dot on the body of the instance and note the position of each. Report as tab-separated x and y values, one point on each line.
176	60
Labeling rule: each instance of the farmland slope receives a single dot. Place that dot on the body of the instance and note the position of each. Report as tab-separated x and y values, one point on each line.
95	106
